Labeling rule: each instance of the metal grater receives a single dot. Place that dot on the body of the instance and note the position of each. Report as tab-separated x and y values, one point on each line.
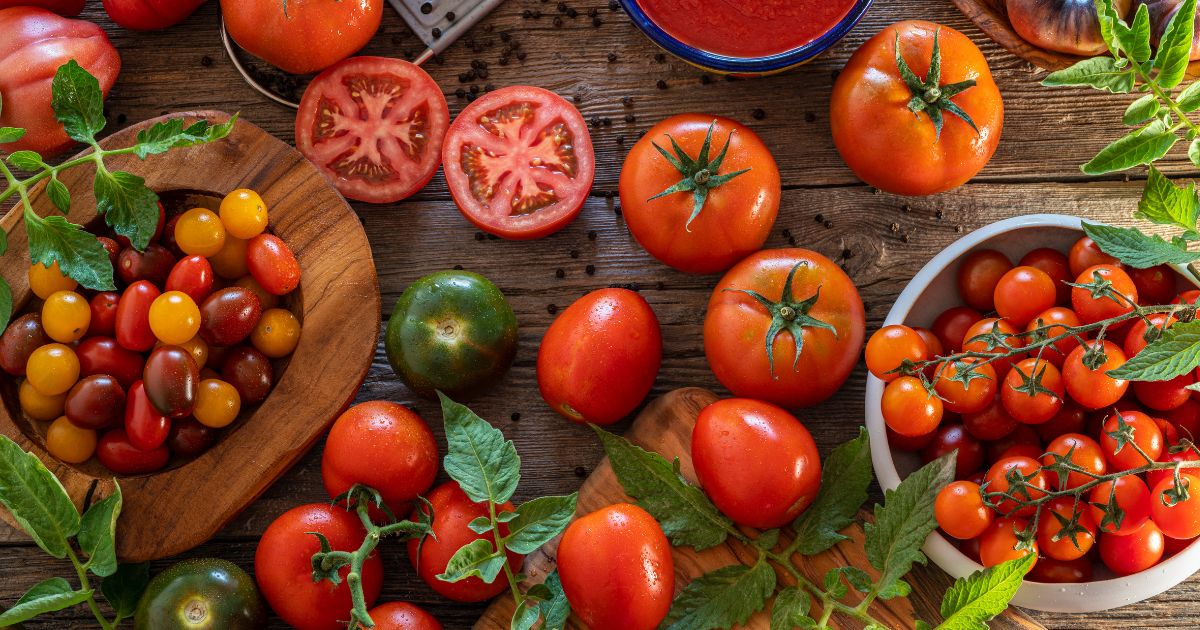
427	17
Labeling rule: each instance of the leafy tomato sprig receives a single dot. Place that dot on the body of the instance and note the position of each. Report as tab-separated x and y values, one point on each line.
128	206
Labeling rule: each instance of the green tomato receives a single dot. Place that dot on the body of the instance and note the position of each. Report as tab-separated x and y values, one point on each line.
201	594
451	331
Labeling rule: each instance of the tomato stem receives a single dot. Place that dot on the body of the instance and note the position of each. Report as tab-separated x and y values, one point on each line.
929	95
698	174
789	315
85	584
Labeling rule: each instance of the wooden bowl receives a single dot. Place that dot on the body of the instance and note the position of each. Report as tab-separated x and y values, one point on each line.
176	509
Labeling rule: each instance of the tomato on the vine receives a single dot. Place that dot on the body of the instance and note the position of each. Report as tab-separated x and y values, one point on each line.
967	386
1178	517
994	336
910	410
999	542
1118	297
1085	253
960	510
890	346
1034	487
1130	495
1134	552
1055	539
1081	451
1033	391
1143	445
1094	389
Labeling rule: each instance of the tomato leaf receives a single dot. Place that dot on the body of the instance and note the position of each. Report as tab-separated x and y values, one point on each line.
169	134
128	206
97	533
6	303
483	463
477	558
36	499
1101	73
722	598
1175	46
1175	353
123	589
538	522
1164	203
78	102
790	610
46	596
554	607
845	478
1141	110
1135	39
905	520
58	194
1136	248
979	597
1107	17
11	134
78	253
1189	99
26	160
1139	147
525	616
687	517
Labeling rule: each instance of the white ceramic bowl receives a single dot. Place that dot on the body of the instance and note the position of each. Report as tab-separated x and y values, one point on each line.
933	290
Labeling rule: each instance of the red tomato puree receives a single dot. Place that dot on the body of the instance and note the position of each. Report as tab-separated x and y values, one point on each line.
746	28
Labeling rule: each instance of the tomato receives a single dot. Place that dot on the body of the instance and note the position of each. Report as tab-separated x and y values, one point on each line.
979	338
133	316
519	162
171	379
250	372
1147	438
228	316
1022	293
910	410
199	232
1092	308
268	300
402	616
998	543
998	481
960	511
890	346
978	276
952	325
953	437
882	140
976	395
732	217
217	403
1033	391
277	333
1130	495
452	511
69	442
145	427
39	406
243	213
61	7
1179	519
600	387
1085	253
1164	395
757	462
1071	418
154	264
44	281
52	369
1054	322
382	445
1135	338
452	331
198	594
310	35
1155	285
189	438
230	263
272	264
150	15
933	345
1054	264
111	246
65	316
119	455
992	423
908	443
36	43
1094	389
1170	433
95	402
812	298
103	319
174	318
284	570
1186	418
1136	552
1056	515
1080	450
1053	571
1155	477
23	335
373	125
616	568
103	355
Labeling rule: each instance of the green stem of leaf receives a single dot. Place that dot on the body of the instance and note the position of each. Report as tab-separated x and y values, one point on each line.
829	603
84	583
518	596
1165	98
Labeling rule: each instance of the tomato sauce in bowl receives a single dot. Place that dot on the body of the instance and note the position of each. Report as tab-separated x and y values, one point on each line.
747	28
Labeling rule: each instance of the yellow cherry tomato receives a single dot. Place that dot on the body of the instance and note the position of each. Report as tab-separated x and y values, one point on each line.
70	443
65	316
196	346
39	406
52	369
217	403
174	318
277	333
199	232
244	214
230	262
268	300
45	281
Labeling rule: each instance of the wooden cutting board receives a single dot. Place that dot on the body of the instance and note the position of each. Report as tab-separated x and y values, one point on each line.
666	427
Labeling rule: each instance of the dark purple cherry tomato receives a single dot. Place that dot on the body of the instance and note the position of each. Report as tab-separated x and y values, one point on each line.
95	402
250	373
272	264
192	275
120	456
171	379
104	314
228	316
24	335
112	247
154	264
145	427
133	316
189	438
168	238
955	436
103	355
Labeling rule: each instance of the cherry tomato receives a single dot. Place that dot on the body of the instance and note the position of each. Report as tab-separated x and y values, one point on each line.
189	438
268	300
103	355
951	326
1054	322
95	402
1054	264
998	481
1033	391
971	398
402	616
195	347
120	456
1146	436
39	406
1022	293
1133	553
1128	493
103	318
616	568
953	437
1172	546
171	379
998	544
24	335
192	275
277	333
250	372
1085	253
199	232
217	403
168	238
243	213
1170	433
1051	539
757	462
65	316
978	276
992	423
1177	518
1080	450
1187	297
1164	395
70	443
228	316
1022	434
174	317
1186	419
1135	338
933	345
1071	418
230	263
1155	285
52	369
890	346
1155	477
1052	571
1093	309
910	410
272	264
977	339
145	427
112	247
960	511
1094	389
133	316
154	264
45	281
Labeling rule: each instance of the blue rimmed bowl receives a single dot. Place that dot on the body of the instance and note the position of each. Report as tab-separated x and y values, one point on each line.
744	65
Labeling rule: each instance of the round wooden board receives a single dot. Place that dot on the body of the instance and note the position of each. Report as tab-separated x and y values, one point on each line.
338	302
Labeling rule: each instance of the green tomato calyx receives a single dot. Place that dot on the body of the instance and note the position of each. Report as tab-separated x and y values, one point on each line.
930	96
699	174
790	315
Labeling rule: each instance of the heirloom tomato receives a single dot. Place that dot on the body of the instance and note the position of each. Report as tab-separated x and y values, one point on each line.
103	355
95	402
302	36
250	372
201	594
70	442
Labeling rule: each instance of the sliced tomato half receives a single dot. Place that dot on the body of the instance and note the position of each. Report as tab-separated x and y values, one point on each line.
519	162
374	126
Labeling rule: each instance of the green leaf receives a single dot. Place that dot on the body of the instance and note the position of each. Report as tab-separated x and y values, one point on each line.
687	517
722	598
36	498
1139	147
1136	248
979	597
26	160
905	519
845	478
97	533
1164	203
790	610
539	521
477	558
78	253
480	525
1194	151
483	463
525	616
555	609
1101	73
1189	99
46	596
11	134
124	588
169	134
833	583
1135	39
1141	110
1175	46
1175	353
1107	16
6	303
59	195
78	102
128	206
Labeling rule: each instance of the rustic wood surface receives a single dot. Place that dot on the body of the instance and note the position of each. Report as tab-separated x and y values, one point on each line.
882	240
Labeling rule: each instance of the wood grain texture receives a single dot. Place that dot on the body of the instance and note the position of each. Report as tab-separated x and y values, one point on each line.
665	427
174	510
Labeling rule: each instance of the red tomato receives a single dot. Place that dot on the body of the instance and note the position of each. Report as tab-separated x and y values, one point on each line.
1033	391
146	428
979	274
1071	418
909	410
382	445
1052	523
736	216
890	346
823	307
36	42
1085	253
1177	519
284	571
992	423
150	15
1187	297
133	316
1093	309
616	568
997	481
1053	571
61	7
998	543
1130	494
1186	418
600	387
757	462
519	162
154	264
952	325
1094	389
1133	553
272	264
1022	434
971	398
1155	477
1022	293
974	341
907	443
1147	438
192	275
1155	285
1054	263
402	616
1084	453
119	455
1164	395
189	438
103	355
953	437
452	511
103	322
960	510
1055	321
310	35
374	126
1135	339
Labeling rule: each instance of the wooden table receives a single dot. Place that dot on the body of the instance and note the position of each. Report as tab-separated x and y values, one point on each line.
882	240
